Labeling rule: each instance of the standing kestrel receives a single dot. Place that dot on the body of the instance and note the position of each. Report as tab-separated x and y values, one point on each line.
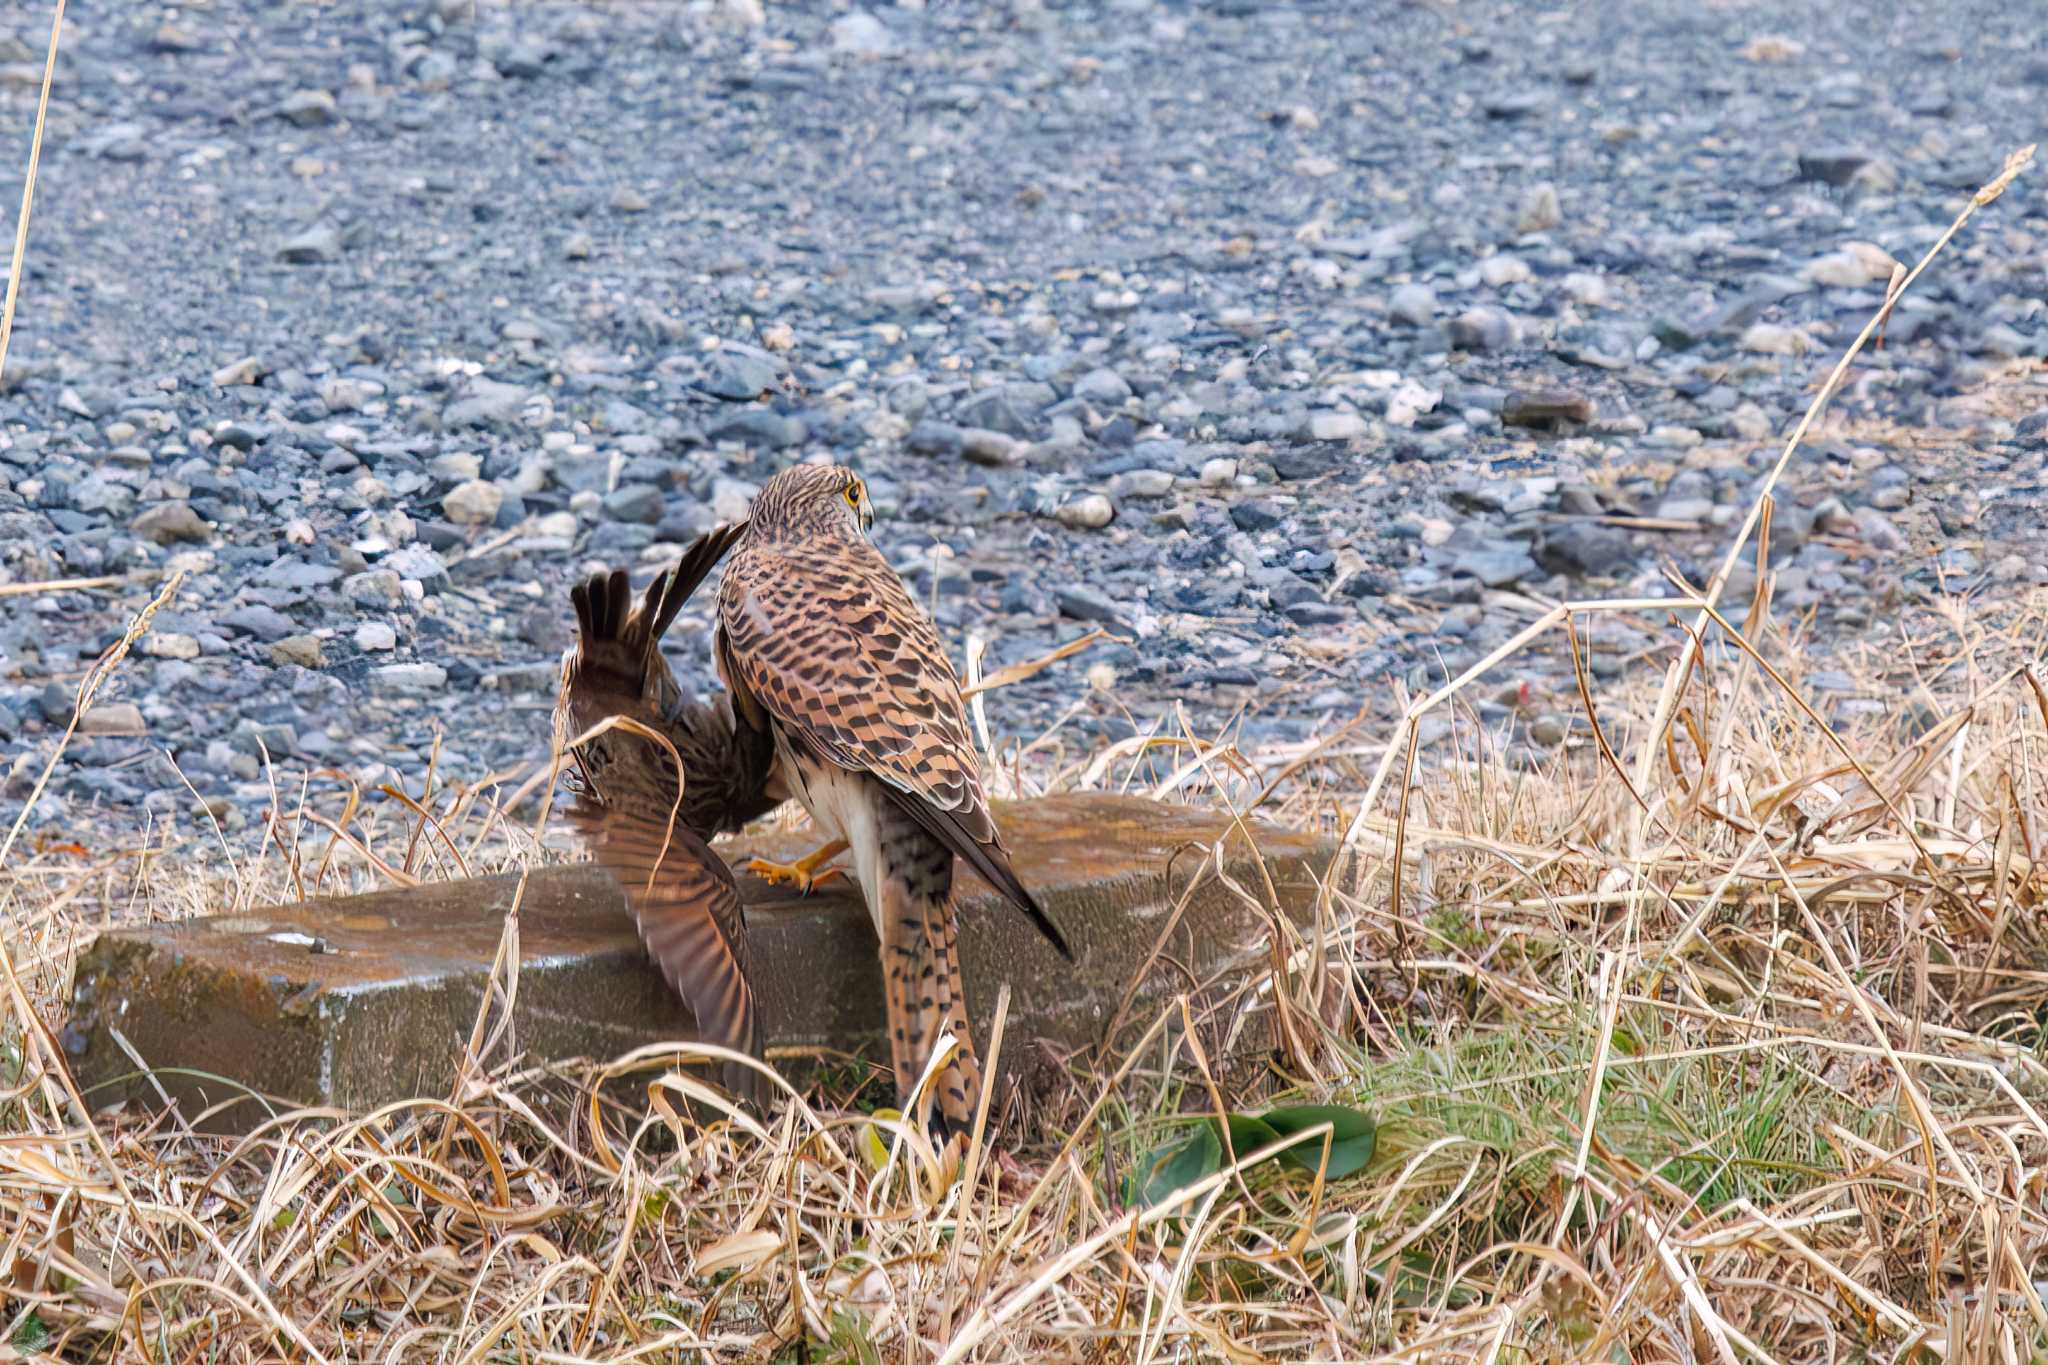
823	648
680	892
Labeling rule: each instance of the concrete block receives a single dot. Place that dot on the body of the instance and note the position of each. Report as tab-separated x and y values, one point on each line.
361	1000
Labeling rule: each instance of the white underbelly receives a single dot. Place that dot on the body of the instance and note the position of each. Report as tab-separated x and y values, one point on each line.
842	805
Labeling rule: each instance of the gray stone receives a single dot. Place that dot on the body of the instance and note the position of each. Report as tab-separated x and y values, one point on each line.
1496	568
1086	604
419	564
1011	409
1545	408
761	429
1589	548
373	588
168	523
485	403
312	247
408	679
1835	166
1414	304
1481	329
1103	387
738	375
634	502
308	108
939	439
267	624
995	449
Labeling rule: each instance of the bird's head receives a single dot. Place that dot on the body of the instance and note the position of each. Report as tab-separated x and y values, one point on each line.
813	499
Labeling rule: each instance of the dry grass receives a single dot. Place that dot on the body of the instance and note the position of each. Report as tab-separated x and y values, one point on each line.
1767	1084
1717	1035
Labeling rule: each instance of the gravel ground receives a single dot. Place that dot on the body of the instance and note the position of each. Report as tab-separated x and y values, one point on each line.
1303	346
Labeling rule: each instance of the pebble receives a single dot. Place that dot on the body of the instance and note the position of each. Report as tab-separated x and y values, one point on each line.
170	523
739	376
1410	401
408	679
1481	329
1501	271
1414	304
247	370
861	34
474	503
1496	568
994	449
484	403
314	246
1765	338
374	637
1087	604
1088	512
373	588
303	650
165	644
1102	386
112	718
308	108
1546	408
1337	426
1541	210
634	502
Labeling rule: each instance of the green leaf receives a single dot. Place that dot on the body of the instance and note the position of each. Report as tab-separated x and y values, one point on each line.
1175	1168
1178	1165
1248	1133
31	1336
1352	1137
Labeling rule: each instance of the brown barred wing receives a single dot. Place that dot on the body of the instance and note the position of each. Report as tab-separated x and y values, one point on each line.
825	637
683	899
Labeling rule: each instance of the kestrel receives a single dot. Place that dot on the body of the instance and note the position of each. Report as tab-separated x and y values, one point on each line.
822	647
681	894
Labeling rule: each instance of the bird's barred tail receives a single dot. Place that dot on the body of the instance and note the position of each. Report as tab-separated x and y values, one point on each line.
927	999
924	991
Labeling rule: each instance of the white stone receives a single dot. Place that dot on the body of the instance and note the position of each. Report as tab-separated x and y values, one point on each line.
1409	401
1089	512
408	678
862	35
1540	209
1336	426
1768	338
169	645
730	498
474	503
1502	271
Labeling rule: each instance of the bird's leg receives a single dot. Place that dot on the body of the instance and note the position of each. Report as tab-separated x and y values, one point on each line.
804	873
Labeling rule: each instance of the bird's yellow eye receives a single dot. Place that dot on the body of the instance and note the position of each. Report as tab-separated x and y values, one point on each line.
852	494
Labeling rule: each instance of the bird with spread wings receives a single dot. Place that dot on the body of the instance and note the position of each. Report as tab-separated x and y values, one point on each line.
645	821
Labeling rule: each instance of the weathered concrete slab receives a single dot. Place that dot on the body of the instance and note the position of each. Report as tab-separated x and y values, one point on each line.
362	1000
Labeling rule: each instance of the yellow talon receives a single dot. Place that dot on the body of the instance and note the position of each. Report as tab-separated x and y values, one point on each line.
806	874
